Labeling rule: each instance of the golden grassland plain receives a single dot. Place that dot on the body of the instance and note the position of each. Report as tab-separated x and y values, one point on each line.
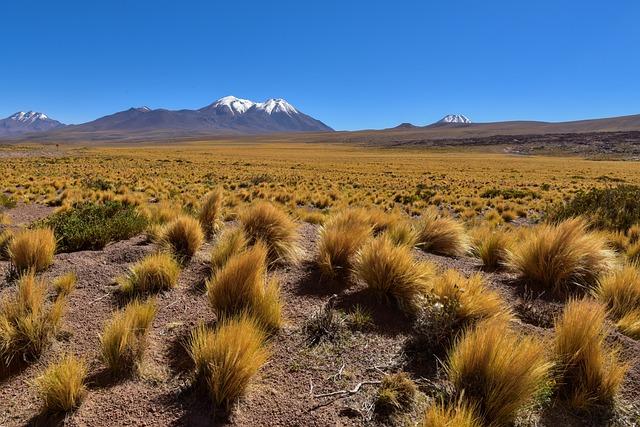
308	179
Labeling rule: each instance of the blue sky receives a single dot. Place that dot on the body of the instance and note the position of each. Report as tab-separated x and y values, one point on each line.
353	64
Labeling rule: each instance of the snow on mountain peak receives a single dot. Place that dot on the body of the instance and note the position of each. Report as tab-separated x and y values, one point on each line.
28	117
236	105
276	105
454	118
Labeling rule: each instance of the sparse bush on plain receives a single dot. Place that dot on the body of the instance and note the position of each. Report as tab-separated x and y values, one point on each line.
391	272
441	235
183	236
210	215
124	338
62	384
32	249
90	226
496	372
155	273
265	222
562	259
241	286
589	373
227	358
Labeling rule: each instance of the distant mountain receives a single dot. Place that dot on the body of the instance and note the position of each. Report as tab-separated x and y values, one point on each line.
454	118
21	123
226	115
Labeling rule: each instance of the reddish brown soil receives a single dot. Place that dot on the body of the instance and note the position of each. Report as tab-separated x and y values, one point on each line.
285	392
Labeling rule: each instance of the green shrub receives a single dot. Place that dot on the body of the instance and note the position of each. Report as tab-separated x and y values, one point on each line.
7	201
92	225
613	208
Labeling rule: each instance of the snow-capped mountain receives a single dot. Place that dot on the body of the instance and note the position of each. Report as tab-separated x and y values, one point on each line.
454	118
31	121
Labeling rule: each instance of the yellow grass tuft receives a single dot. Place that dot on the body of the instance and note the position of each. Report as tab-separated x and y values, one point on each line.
32	249
629	324
228	358
62	385
231	242
211	213
123	340
563	259
491	247
438	415
589	374
441	235
65	284
263	221
392	272
155	273
496	371
339	241
6	236
241	287
183	236
396	393
620	291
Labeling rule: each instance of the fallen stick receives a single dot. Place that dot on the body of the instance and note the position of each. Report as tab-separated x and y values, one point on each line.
348	392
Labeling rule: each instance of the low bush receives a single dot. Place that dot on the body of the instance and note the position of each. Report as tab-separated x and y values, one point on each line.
496	372
326	324
183	237
228	358
62	385
27	320
588	373
620	291
491	246
231	242
155	273
65	284
439	415
123	340
210	215
614	207
265	222
241	286
90	226
339	241
32	249
392	272
441	235
395	394
562	259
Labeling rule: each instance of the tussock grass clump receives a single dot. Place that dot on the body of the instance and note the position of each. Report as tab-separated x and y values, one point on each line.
589	373
396	393
402	233
65	284
339	242
325	324
6	236
123	340
620	291
89	225
62	385
491	247
241	286
210	215
231	242
155	273
263	221
27	320
228	358
453	303
438	415
563	259
629	324
183	236
32	249
392	272
441	235
496	371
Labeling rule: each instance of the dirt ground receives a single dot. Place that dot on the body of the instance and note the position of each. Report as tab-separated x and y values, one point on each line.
286	391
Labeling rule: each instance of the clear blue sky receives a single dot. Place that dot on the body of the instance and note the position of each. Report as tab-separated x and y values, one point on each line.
353	64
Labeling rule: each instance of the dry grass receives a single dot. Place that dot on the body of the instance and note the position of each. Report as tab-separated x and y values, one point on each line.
210	216
32	249
62	385
441	235
265	222
241	287
491	246
6	236
629	324
27	321
402	233
339	241
620	291
392	272
123	340
228	358
563	259
396	393
183	236
155	273
65	284
589	373
438	415
496	371
231	242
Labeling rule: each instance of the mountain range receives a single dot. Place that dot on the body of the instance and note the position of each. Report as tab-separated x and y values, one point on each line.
228	115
